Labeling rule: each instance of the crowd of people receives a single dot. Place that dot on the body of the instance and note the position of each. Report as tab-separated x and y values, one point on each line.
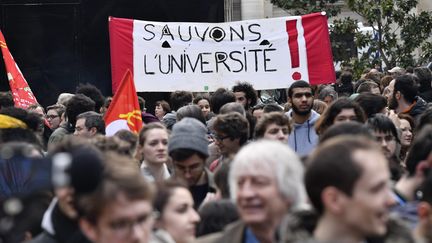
343	162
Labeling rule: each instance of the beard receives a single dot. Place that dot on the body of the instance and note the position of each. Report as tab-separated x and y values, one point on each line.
393	102
301	112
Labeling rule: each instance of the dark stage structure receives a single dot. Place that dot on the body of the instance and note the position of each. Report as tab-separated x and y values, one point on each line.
60	43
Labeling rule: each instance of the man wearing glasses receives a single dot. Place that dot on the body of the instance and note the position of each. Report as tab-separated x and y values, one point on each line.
54	115
188	148
231	133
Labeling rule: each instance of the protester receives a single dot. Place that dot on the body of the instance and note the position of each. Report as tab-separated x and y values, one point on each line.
368	86
89	124
55	115
63	98
93	93
120	208
193	111
178	99
274	126
328	95
266	182
372	104
177	218
161	109
60	221
215	215
257	111
424	77
352	128
187	147
345	87
304	137
406	127
112	144
106	105
396	72
386	135
219	98
347	183
76	105
38	109
417	164
405	97
130	138
153	152
233	107
341	110
319	106
231	132
19	125
245	94
238	107
203	101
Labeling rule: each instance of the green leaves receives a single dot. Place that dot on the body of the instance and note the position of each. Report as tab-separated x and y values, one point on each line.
400	31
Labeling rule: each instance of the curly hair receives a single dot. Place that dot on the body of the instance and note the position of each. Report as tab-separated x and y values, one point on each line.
233	125
250	92
93	93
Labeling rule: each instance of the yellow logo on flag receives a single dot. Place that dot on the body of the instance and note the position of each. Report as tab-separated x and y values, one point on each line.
136	114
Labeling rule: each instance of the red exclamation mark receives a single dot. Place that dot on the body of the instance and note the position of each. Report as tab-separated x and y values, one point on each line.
291	28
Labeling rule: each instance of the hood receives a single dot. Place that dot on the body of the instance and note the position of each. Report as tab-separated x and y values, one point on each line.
47	223
304	138
312	119
420	106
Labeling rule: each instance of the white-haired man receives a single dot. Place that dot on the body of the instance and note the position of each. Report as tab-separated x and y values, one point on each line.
266	181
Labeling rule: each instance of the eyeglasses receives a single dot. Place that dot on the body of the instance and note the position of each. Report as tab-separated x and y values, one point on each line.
51	116
123	227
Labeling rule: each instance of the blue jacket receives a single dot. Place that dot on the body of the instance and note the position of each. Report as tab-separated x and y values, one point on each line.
303	139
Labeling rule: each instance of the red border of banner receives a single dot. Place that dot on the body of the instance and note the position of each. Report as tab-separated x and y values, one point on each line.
121	46
319	52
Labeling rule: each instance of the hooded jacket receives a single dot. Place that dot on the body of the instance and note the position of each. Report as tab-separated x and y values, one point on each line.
57	228
303	139
420	106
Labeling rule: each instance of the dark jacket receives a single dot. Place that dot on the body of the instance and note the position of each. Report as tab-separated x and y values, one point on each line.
233	233
420	106
58	134
58	228
299	227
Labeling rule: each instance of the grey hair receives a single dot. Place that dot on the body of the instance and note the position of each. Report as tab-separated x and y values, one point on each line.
277	158
327	91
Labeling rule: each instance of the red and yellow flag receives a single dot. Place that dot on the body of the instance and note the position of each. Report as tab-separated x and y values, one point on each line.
22	94
124	111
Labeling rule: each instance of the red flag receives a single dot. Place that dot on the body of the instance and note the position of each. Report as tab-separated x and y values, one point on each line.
22	94
124	111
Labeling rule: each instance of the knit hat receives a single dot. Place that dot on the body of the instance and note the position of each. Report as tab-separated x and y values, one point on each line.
189	133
